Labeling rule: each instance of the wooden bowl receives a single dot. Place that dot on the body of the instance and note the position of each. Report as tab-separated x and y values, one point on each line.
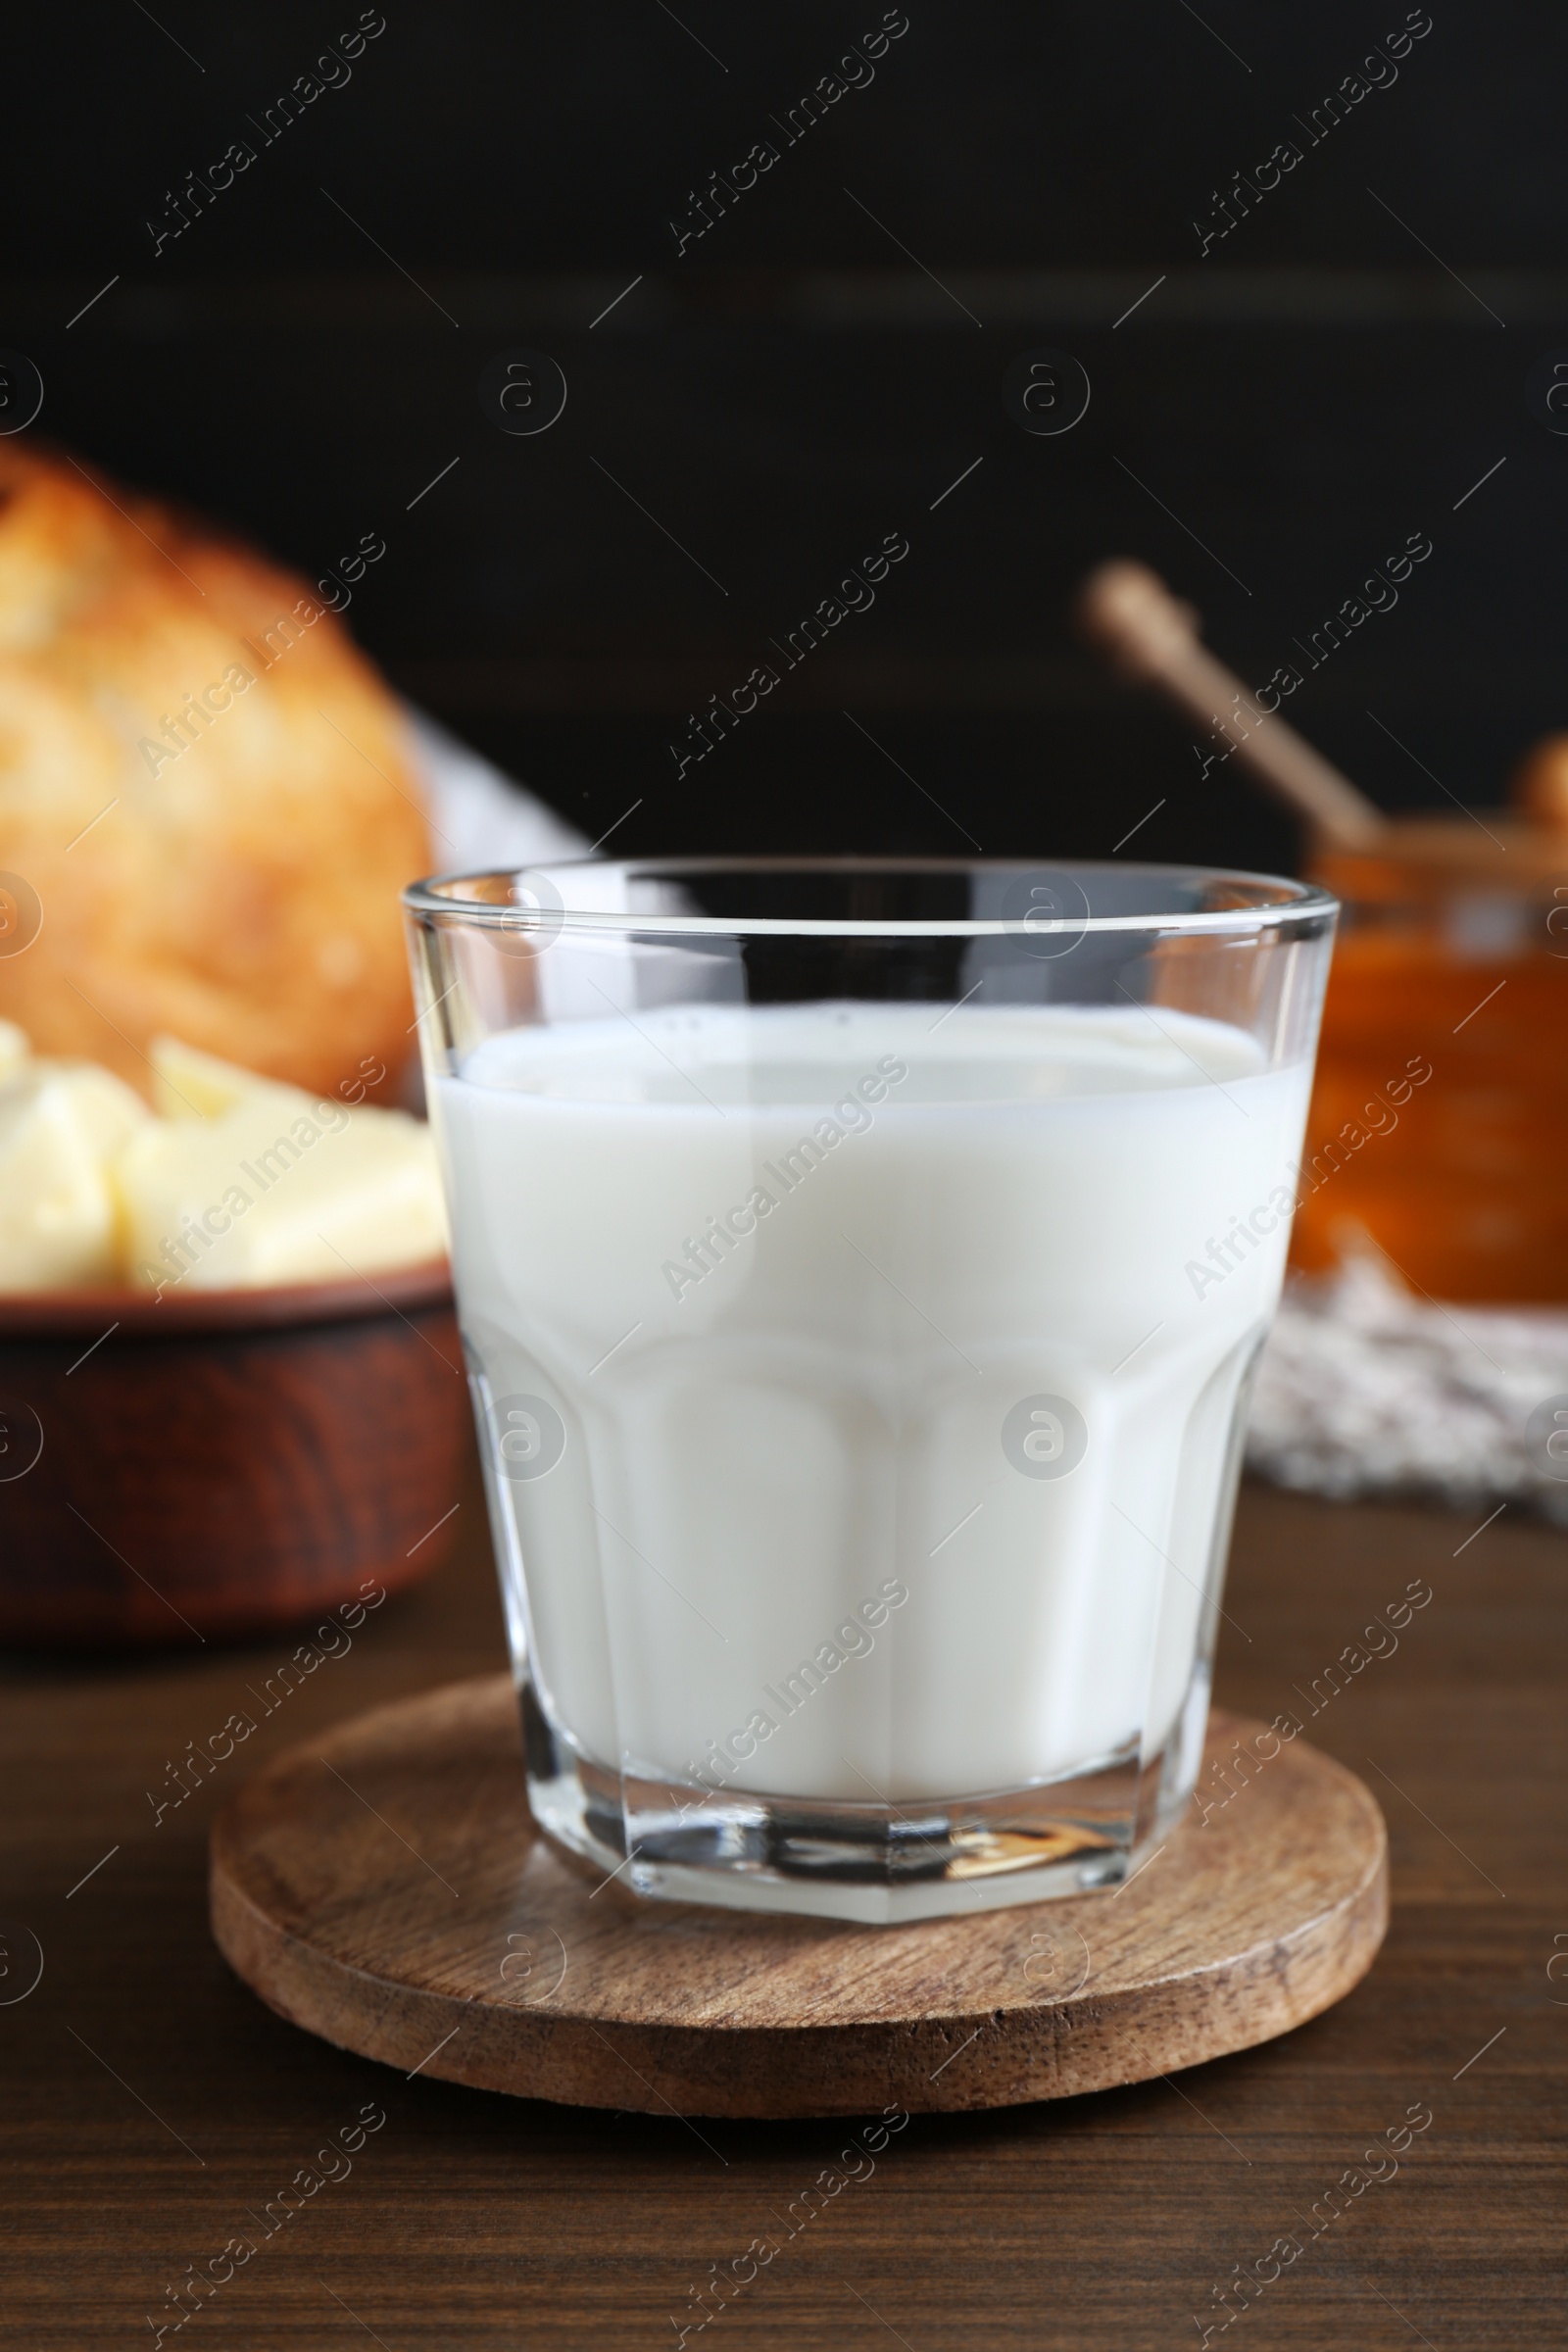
219	1464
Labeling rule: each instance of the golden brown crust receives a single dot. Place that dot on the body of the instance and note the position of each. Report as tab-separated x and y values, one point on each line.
241	891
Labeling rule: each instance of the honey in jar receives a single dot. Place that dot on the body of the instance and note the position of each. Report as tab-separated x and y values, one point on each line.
1439	1126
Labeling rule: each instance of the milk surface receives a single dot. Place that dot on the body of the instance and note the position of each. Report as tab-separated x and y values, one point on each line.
796	1282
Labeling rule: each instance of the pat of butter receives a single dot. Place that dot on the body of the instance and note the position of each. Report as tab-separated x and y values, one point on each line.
14	1050
272	1185
60	1124
189	1084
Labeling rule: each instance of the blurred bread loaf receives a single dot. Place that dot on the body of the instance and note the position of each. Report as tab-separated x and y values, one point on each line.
205	786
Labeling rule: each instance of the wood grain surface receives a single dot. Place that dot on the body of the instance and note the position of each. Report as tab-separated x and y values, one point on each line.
386	1887
154	2110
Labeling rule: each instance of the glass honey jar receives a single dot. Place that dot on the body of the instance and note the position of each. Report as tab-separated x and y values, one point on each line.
1439	1125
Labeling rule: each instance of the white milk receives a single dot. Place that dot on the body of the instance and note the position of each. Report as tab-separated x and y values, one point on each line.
770	1437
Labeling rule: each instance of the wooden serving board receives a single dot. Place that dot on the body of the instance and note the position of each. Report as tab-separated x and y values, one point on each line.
385	1887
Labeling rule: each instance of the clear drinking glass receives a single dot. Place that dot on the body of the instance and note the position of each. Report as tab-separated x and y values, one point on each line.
860	1268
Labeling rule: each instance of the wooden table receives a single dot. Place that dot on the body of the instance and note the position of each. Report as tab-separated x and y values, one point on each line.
153	2110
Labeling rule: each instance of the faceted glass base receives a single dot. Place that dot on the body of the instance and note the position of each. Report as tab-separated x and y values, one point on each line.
877	1863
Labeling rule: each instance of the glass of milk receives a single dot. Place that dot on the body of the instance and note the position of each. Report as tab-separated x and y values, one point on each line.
861	1267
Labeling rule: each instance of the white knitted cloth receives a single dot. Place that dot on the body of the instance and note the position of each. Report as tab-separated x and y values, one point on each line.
1366	1389
480	817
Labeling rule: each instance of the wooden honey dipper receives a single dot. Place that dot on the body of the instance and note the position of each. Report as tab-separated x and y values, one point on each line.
1127	612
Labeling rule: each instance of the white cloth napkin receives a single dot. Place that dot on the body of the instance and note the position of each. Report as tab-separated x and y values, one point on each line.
479	816
1365	1388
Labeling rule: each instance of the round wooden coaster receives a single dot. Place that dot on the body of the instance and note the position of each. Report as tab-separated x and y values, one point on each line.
385	1887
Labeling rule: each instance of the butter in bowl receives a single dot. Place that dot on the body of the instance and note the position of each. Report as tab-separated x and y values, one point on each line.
231	1391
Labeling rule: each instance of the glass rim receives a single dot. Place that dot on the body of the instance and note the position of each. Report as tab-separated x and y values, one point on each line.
437	896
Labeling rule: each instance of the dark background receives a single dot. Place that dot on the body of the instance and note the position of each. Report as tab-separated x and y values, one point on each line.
795	386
